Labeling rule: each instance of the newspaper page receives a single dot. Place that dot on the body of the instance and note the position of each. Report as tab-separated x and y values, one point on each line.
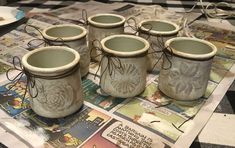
150	119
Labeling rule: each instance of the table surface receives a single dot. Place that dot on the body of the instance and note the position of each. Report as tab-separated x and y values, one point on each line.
223	118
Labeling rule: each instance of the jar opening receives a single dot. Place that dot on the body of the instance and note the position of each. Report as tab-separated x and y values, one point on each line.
64	31
106	19
191	46
50	58
124	44
158	26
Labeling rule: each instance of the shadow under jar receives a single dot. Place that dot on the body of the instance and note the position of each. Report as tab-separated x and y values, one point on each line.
157	32
123	66
73	36
187	68
102	25
56	73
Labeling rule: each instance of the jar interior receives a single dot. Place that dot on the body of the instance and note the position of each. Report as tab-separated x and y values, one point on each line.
158	26
50	58
106	19
64	31
191	46
124	44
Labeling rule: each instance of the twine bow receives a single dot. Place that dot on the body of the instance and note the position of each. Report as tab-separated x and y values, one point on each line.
84	19
113	62
160	43
137	28
30	80
164	52
37	42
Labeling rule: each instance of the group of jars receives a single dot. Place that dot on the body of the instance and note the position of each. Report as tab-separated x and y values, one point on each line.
124	62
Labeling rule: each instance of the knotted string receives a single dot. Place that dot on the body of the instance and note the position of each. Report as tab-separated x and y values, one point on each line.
137	29
30	80
113	62
84	19
134	27
42	41
160	42
163	50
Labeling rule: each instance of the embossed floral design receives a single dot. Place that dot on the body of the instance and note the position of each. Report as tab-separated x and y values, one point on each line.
55	95
125	79
186	78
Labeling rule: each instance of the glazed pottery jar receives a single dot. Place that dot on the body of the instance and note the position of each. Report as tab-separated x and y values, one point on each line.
123	66
55	72
73	36
157	32
187	68
103	25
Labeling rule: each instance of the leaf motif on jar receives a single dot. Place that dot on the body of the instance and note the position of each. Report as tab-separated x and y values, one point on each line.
125	80
55	95
186	78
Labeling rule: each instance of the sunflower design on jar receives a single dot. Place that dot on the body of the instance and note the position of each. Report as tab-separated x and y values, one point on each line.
125	79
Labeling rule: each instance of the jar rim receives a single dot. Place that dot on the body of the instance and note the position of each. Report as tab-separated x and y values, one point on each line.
190	55
76	37
106	25
155	32
54	70
125	54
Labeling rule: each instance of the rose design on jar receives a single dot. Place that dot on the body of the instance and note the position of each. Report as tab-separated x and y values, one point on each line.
57	97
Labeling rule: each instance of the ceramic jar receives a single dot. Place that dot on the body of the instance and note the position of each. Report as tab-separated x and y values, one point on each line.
73	36
123	66
187	68
157	32
103	25
55	72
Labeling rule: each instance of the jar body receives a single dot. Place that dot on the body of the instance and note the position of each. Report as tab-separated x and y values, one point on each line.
80	45
157	31
186	68
58	97
127	81
154	60
186	79
98	33
73	36
54	81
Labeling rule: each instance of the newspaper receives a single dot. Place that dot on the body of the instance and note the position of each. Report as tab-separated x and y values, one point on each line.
150	119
